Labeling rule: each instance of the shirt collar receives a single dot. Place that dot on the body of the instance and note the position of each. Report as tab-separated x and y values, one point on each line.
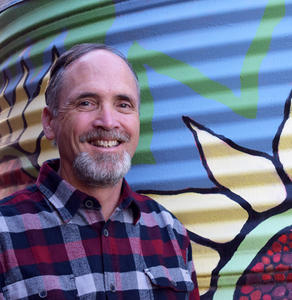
67	200
129	199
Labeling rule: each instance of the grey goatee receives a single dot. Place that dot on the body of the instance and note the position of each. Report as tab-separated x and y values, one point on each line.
100	168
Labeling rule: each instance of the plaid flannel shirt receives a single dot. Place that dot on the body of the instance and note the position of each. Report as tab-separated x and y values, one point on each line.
55	244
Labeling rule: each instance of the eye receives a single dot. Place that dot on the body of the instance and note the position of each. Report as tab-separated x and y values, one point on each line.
125	105
86	105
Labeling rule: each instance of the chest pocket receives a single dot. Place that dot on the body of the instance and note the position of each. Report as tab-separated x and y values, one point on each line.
42	287
177	279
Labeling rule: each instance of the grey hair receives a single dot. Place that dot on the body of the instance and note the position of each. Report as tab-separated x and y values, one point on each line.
59	68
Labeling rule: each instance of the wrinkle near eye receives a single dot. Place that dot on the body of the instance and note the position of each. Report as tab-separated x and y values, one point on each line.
64	109
126	103
86	105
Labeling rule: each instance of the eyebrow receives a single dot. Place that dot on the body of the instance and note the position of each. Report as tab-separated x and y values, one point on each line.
86	95
124	97
94	95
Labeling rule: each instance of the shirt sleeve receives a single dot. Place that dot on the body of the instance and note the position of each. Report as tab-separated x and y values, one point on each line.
1	272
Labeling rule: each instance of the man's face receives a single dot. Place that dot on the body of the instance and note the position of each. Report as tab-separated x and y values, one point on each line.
98	115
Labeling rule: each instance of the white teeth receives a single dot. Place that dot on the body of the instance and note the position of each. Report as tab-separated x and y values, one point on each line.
106	144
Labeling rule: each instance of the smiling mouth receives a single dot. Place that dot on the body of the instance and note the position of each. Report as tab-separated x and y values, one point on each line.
105	143
105	139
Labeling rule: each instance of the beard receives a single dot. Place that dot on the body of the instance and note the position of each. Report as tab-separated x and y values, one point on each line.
101	169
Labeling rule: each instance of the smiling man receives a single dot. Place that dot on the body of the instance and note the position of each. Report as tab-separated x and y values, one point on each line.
80	232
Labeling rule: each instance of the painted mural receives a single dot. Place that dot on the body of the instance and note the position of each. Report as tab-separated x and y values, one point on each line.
216	124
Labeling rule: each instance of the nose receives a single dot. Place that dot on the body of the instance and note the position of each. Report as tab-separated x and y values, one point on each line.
105	118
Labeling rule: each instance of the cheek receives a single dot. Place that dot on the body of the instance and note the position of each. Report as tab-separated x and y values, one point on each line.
73	124
64	131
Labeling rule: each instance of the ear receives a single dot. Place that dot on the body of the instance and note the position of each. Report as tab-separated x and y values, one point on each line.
47	121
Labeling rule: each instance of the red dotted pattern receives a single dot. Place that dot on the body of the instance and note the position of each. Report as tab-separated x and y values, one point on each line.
271	275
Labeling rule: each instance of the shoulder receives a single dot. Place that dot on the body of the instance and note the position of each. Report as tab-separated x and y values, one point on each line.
147	204
19	200
19	209
153	213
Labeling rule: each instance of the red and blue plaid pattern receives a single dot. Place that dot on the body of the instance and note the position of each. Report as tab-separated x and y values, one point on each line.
55	244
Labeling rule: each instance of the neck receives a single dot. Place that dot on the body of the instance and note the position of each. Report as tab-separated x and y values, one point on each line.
107	196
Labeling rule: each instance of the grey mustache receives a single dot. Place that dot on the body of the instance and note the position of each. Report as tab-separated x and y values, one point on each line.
113	134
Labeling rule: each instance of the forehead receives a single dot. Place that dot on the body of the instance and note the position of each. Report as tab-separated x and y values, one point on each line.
99	69
100	62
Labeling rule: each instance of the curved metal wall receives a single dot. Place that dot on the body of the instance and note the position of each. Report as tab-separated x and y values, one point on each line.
216	141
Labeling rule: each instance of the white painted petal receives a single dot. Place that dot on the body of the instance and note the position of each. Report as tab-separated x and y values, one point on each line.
205	260
285	145
251	176
212	216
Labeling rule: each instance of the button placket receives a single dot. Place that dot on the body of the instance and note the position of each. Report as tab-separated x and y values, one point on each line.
88	203
173	283
110	283
112	287
43	294
106	232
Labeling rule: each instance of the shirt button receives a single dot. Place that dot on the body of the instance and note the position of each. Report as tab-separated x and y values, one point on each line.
105	233
173	283
88	203
43	294
112	287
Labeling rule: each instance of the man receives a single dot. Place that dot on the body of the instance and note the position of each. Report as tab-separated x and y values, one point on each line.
80	232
